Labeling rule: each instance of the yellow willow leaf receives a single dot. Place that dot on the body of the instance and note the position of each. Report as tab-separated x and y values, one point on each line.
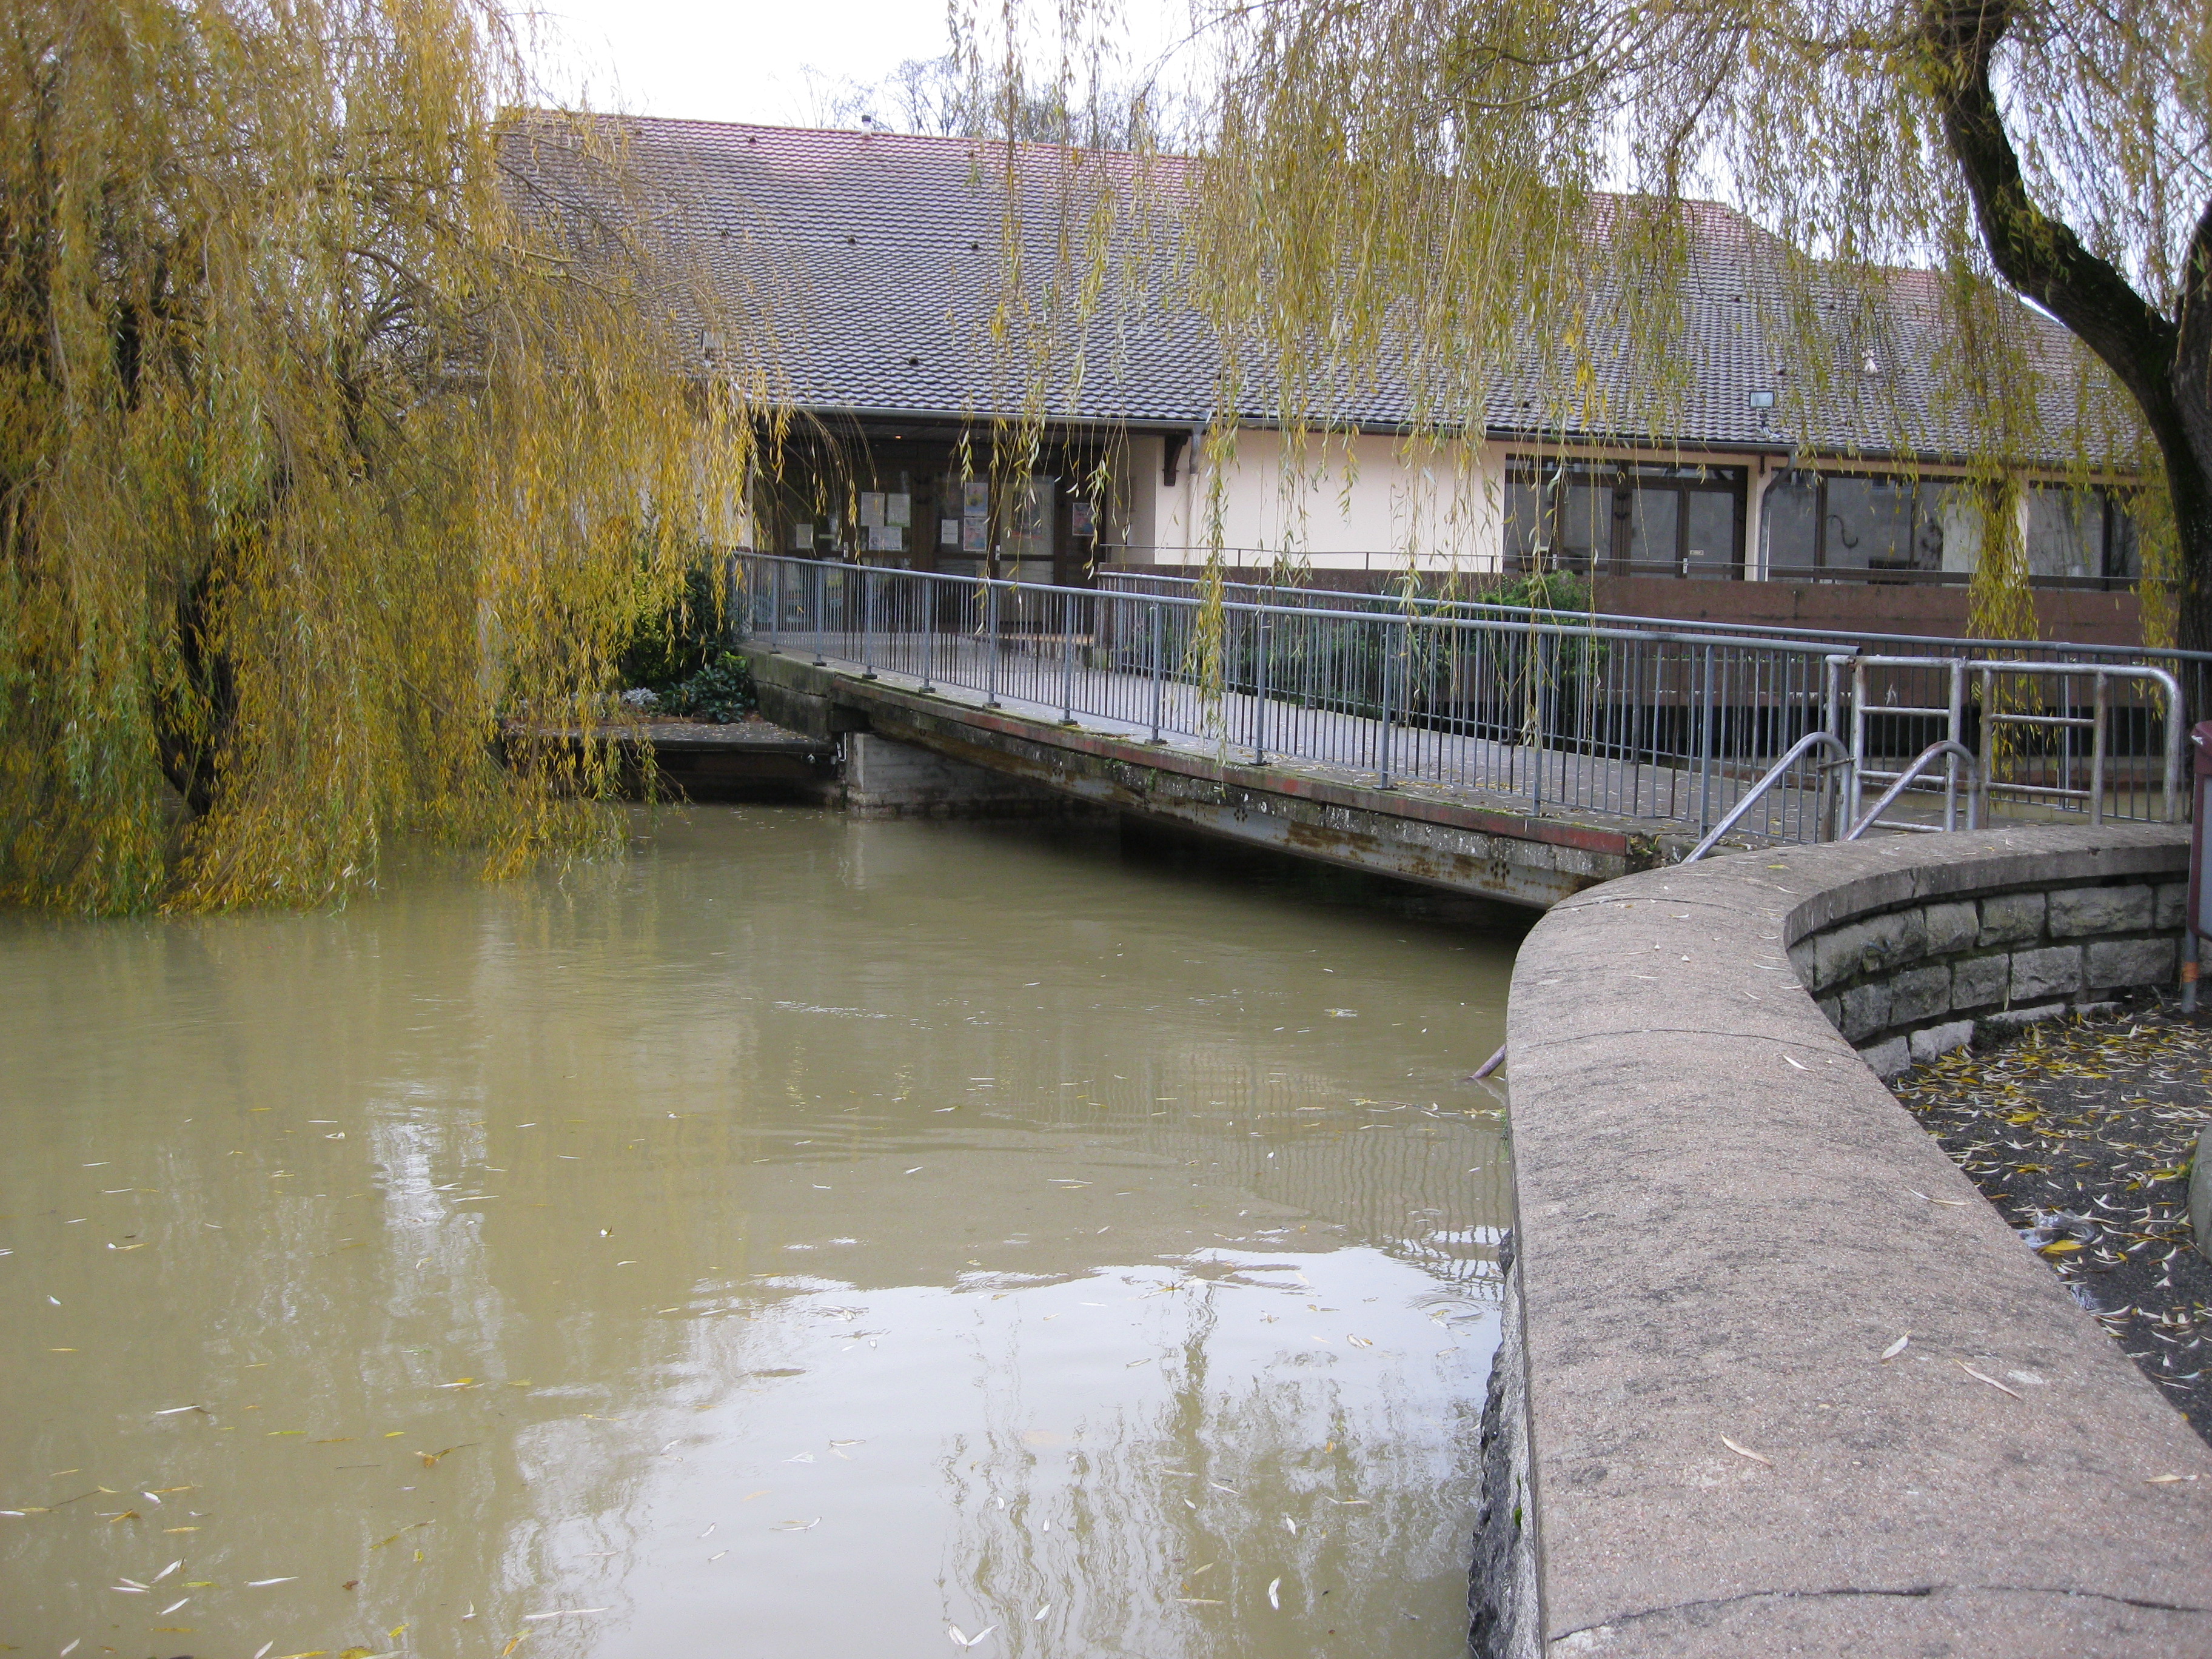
371	488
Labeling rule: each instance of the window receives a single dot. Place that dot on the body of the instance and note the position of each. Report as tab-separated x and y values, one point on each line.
1876	522
1852	521
2080	532
1625	519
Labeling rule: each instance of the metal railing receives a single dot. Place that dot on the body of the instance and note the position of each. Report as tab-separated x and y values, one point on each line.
2097	740
2193	669
1542	713
1253	564
1777	775
1951	754
1537	715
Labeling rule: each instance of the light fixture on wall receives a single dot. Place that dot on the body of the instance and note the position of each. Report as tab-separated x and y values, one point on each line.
1760	398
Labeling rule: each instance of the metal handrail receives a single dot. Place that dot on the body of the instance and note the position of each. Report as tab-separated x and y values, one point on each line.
1753	796
1927	757
1987	669
1561	711
1856	639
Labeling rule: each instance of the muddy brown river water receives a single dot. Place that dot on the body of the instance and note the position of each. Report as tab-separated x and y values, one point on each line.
804	1238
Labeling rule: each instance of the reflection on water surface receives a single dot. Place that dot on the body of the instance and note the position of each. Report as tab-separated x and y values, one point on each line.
806	1238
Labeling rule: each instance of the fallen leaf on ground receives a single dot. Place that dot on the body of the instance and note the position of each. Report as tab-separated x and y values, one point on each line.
1991	1380
1746	1451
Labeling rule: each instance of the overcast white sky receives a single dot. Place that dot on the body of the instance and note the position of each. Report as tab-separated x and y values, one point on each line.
749	60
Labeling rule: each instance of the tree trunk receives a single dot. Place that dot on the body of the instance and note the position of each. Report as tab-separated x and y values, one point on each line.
2192	526
2164	363
189	739
2184	441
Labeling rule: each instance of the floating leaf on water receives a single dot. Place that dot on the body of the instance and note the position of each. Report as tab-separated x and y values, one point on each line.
2166	1479
562	1612
1746	1451
1799	1064
961	1639
1290	1526
1897	1348
1274	1597
1037	1617
263	1584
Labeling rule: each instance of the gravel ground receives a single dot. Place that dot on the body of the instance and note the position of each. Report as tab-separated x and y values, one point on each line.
2080	1132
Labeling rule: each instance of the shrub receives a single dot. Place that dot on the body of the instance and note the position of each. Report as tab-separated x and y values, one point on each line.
1555	591
719	693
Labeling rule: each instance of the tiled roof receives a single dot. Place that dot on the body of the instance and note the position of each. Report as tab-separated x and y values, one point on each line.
879	256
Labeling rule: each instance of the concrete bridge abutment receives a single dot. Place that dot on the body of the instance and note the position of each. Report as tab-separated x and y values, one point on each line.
885	778
1330	816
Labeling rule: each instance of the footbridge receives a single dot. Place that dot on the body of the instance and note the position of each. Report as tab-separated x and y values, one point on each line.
1517	757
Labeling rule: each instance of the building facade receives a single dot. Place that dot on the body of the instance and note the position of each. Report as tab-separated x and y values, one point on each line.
883	257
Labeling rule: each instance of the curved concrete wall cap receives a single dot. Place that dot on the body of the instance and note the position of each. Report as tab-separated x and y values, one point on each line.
1725	1222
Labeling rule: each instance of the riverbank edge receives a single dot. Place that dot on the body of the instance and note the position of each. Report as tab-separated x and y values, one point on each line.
1725	1222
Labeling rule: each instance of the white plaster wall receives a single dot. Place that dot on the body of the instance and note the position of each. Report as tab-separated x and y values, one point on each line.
1357	502
1136	532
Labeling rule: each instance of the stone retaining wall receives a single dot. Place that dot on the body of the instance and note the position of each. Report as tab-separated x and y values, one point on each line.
1710	1441
1907	984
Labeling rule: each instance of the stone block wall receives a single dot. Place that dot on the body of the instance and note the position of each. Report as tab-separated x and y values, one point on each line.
1909	982
1722	1224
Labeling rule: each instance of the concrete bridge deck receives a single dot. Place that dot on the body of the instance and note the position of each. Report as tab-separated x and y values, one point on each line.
1473	840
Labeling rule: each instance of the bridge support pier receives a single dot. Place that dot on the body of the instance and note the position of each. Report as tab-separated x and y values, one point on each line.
887	779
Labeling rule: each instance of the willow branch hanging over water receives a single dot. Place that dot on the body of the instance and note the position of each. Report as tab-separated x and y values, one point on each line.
1972	232
333	464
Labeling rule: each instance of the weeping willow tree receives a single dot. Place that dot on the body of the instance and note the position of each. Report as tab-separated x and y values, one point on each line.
1972	232
335	469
